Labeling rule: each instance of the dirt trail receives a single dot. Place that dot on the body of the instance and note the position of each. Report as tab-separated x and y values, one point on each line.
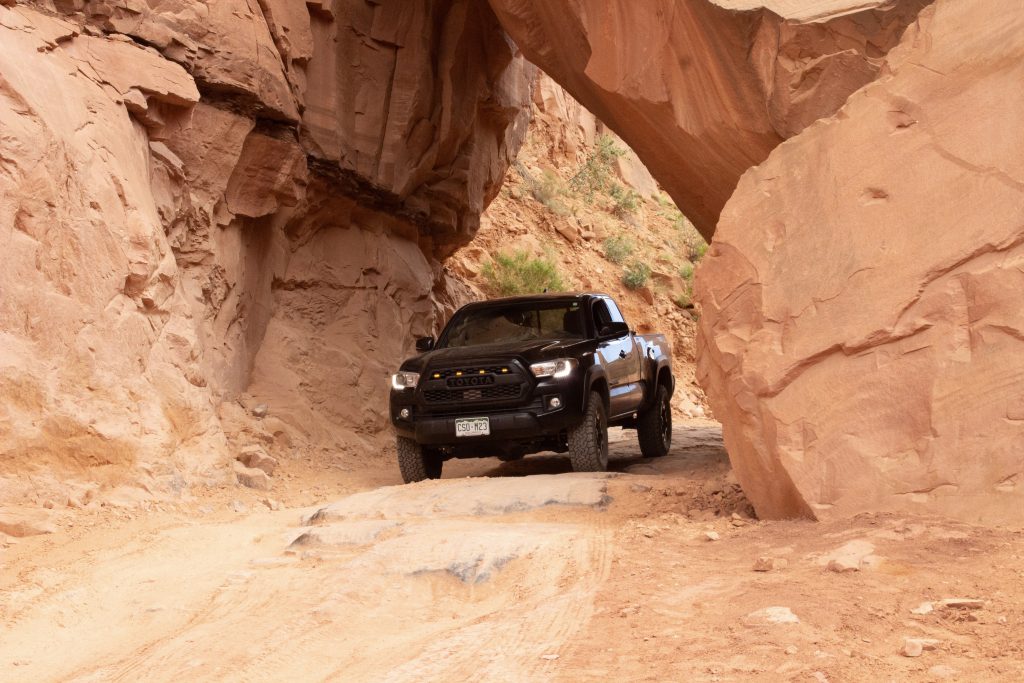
555	576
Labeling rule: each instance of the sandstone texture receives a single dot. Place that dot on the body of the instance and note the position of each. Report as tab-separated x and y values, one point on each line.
859	166
862	336
704	90
203	199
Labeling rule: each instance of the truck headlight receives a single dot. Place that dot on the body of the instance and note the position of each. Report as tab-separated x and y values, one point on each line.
556	369
404	380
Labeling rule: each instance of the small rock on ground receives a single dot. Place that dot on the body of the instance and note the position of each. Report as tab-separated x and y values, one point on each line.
252	477
21	523
767	564
923	608
257	458
913	647
962	603
771	615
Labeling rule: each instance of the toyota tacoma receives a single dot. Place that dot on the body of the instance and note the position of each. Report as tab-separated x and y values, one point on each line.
521	375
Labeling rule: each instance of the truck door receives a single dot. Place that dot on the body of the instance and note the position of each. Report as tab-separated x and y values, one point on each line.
621	361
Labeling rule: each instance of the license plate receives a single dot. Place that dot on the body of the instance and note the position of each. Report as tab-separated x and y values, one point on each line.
473	426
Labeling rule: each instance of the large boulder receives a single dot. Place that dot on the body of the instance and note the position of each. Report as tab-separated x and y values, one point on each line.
704	90
862	333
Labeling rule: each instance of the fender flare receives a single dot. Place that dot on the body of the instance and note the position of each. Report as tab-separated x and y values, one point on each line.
595	374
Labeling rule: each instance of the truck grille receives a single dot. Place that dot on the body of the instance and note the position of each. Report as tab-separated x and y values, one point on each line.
484	382
481	394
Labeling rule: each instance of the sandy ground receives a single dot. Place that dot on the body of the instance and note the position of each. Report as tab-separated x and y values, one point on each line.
507	572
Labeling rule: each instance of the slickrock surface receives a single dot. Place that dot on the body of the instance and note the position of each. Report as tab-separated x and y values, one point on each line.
862	336
491	586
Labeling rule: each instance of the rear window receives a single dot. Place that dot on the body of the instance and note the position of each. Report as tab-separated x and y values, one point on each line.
515	322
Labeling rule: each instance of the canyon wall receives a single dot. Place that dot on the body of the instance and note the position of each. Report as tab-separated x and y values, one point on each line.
861	327
862	336
199	199
252	200
704	90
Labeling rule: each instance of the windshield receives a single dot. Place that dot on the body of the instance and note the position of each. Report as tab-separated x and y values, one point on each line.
515	322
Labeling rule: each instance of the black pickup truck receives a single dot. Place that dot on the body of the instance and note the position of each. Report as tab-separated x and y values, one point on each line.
516	376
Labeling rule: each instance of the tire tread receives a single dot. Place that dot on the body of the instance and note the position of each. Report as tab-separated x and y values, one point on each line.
648	427
585	452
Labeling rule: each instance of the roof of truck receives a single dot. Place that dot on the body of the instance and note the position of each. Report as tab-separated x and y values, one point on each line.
533	298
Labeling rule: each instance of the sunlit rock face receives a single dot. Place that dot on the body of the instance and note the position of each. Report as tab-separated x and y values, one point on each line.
704	90
199	199
859	165
862	330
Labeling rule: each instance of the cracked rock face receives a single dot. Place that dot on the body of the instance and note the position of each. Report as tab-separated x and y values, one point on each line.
199	199
859	165
704	90
862	333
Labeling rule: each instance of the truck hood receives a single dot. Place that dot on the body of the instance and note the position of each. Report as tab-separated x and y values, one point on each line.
526	351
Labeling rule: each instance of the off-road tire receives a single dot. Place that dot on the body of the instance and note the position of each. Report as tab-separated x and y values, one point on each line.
654	425
416	462
588	441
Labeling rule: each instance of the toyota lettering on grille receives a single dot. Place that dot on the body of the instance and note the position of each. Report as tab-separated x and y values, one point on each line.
470	381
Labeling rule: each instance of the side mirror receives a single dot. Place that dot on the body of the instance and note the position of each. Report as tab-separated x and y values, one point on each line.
614	330
424	344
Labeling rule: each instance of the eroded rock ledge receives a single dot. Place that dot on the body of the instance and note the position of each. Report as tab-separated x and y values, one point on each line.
172	173
704	90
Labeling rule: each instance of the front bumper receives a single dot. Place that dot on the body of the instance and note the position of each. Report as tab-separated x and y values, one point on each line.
505	428
509	424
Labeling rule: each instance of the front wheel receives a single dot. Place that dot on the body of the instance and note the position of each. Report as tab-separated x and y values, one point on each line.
416	462
654	426
588	441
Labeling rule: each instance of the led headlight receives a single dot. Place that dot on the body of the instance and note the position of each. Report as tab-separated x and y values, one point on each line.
404	380
556	369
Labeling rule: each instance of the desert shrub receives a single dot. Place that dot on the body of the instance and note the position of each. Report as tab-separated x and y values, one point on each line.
698	250
636	275
695	246
683	300
618	248
546	189
519	273
686	271
596	172
624	201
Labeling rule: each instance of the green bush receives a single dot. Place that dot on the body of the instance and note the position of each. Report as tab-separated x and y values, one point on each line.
596	172
519	273
547	190
636	275
698	250
618	248
625	202
686	271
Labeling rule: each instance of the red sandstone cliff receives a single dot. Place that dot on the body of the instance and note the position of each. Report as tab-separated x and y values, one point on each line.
203	198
